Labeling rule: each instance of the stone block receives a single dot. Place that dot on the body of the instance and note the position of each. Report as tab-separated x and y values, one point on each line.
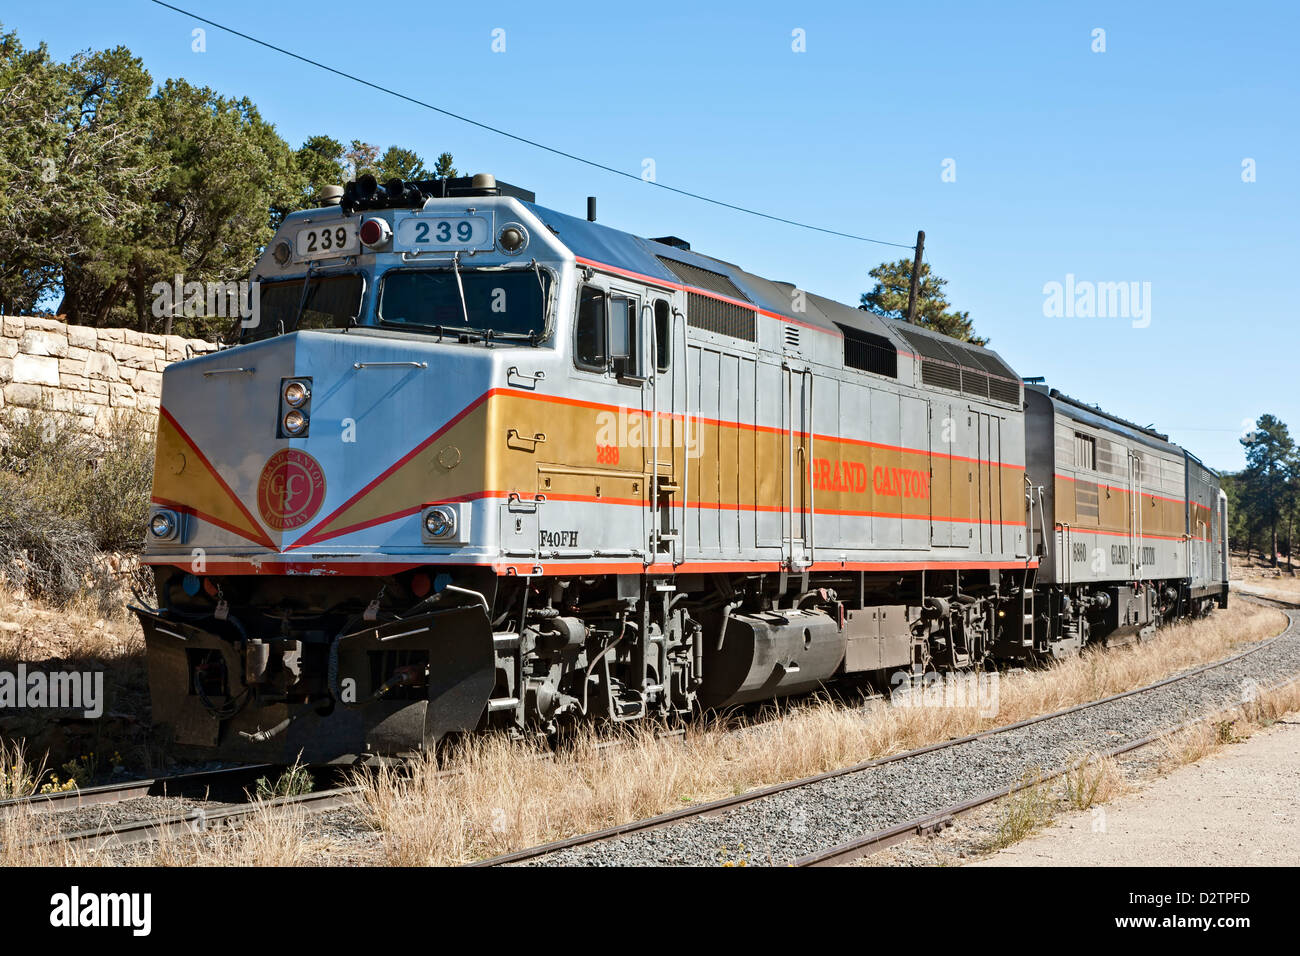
81	337
103	366
38	342
36	369
28	396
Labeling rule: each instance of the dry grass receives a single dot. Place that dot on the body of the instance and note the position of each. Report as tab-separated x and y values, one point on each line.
18	776
271	836
20	830
1230	726
1028	808
1093	779
506	798
1286	588
1257	575
34	632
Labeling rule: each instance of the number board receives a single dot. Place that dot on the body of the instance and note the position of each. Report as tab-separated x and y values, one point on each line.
327	241
420	233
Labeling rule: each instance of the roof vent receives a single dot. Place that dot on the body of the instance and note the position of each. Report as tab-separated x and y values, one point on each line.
330	195
674	242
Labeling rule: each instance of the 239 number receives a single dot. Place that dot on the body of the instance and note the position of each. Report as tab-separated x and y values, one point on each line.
327	239
443	230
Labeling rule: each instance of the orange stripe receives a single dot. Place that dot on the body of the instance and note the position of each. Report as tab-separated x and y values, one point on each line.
715	567
706	505
743	426
1126	491
380	568
1124	534
709	293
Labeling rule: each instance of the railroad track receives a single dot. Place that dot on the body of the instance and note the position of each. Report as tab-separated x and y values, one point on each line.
201	782
203	820
879	839
227	784
231	782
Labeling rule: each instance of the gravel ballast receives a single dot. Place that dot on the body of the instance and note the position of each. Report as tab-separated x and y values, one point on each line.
780	828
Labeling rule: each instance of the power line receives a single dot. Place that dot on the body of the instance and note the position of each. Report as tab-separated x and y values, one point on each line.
523	139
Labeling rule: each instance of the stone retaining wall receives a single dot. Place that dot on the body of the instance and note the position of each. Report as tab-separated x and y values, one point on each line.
91	374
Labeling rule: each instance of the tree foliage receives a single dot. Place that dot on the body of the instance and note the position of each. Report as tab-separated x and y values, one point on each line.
321	163
933	310
1265	495
110	184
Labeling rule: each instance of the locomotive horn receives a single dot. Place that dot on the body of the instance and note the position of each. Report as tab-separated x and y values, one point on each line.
368	188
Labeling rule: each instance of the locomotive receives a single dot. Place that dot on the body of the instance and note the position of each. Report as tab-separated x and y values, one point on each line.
478	464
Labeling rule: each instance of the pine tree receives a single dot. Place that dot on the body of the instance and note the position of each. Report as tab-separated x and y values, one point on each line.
933	310
1270	473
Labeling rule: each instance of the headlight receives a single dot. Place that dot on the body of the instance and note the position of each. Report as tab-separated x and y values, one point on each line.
295	423
162	525
295	393
512	239
440	522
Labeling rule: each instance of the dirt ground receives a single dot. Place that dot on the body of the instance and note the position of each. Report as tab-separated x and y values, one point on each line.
1237	807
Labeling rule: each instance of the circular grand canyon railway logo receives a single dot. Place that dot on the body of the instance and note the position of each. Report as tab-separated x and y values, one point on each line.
291	489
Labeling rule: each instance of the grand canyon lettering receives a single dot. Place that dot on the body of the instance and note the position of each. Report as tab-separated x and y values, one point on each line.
852	476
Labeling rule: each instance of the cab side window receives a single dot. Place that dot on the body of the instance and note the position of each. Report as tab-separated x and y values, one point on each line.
624	335
608	337
663	335
592	348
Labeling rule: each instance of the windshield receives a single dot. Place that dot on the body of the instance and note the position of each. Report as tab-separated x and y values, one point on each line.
332	302
509	303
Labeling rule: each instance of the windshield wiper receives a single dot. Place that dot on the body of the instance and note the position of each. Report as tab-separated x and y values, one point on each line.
441	330
455	267
302	299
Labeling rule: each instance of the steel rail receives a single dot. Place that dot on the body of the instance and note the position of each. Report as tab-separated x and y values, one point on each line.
201	820
133	789
714	807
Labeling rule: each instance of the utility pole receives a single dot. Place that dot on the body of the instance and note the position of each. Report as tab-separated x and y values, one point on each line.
916	277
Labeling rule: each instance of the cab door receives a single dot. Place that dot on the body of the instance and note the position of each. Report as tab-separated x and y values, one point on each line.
1135	536
667	440
797	490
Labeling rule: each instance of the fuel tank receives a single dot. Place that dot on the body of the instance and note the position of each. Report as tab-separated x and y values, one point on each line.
770	654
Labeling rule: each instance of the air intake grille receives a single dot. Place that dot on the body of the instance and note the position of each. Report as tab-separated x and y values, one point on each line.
1004	390
869	352
940	374
704	279
725	318
948	364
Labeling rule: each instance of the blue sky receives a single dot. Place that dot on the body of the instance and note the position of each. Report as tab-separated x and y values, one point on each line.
1115	166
